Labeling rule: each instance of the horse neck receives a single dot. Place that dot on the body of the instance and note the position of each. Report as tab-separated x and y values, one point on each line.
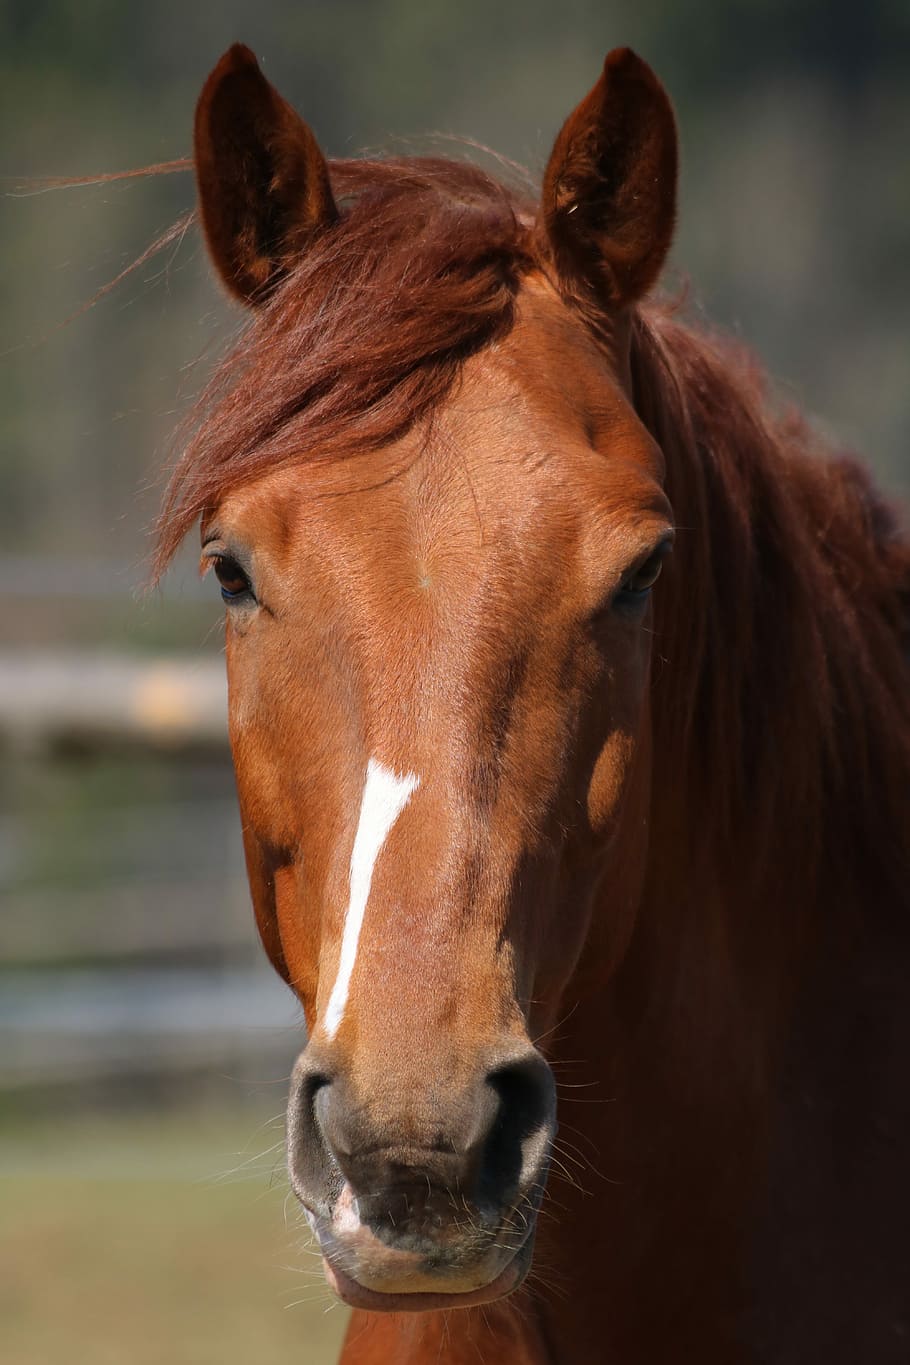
781	738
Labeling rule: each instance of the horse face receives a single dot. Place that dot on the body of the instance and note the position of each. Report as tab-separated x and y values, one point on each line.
439	724
438	655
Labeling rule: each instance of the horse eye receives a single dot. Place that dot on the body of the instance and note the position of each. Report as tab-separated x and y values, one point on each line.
634	590
646	575
234	582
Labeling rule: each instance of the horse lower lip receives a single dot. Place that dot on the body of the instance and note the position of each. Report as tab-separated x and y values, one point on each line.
374	1301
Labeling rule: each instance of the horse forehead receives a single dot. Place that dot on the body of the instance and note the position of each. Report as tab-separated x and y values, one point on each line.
538	429
549	406
500	462
565	372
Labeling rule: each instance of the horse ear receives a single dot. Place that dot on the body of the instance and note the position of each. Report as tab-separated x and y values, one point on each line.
264	190
608	204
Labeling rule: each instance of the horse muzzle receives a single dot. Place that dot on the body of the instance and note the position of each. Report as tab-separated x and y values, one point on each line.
423	1201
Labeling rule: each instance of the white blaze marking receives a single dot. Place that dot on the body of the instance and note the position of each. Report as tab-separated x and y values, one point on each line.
385	796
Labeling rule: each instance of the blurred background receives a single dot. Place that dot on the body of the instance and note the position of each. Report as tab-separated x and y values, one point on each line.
144	1044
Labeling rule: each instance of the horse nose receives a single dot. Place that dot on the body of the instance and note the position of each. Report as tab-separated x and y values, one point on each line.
406	1157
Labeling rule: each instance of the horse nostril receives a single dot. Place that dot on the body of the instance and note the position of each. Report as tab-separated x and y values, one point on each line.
524	1126
338	1121
310	1163
321	1099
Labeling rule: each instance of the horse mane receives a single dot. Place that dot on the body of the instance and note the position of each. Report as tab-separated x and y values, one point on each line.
780	686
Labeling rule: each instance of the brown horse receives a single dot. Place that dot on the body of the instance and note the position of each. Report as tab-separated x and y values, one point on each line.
522	821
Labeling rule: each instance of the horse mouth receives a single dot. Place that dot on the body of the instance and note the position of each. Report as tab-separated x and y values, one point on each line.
369	1273
356	1295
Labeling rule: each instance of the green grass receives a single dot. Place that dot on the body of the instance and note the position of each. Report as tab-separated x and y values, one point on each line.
124	1241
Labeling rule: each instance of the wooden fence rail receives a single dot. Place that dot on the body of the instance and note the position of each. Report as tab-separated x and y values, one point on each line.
49	699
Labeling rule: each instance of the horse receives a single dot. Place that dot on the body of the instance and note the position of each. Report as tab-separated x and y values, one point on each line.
568	707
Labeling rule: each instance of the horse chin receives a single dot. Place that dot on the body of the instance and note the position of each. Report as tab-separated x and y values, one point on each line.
357	1295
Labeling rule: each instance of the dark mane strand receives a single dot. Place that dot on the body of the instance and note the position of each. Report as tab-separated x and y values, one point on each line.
364	337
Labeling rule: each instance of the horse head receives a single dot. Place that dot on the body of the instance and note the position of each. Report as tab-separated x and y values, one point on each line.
437	521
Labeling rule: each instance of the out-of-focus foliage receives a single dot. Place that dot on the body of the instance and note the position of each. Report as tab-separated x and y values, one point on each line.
793	230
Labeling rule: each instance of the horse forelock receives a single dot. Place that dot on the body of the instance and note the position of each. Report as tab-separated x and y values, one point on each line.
364	337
